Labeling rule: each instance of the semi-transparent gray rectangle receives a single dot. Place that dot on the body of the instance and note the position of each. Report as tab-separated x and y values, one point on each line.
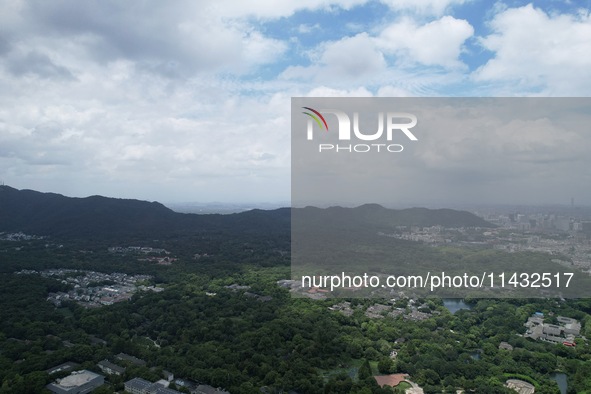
453	197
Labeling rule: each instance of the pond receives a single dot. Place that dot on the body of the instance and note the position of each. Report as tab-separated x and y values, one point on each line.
455	304
560	378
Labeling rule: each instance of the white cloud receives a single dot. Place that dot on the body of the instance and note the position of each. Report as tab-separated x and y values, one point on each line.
258	49
505	135
394	91
349	60
505	150
353	57
323	91
437	43
424	7
406	44
120	125
276	9
175	41
100	93
538	53
121	98
10	17
305	28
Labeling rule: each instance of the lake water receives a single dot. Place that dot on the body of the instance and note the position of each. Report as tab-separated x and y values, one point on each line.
455	304
560	378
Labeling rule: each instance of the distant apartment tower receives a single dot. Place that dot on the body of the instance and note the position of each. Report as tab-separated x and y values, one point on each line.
562	224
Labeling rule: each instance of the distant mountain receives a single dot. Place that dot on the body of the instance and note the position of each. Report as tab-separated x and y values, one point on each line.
53	214
377	217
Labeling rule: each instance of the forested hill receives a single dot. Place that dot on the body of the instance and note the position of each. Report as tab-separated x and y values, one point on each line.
376	217
53	214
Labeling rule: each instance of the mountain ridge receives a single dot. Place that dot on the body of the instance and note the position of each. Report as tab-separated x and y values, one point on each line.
53	214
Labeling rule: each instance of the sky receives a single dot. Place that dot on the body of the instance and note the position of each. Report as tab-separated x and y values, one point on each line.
183	101
459	152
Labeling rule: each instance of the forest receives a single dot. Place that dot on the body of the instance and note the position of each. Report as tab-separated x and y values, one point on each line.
199	329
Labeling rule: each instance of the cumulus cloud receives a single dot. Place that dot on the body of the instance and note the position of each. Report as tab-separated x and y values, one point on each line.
535	52
190	99
353	57
348	59
190	36
512	144
437	43
379	59
276	9
36	63
103	93
507	150
120	125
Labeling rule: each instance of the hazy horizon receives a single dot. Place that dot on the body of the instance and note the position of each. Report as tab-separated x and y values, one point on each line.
241	206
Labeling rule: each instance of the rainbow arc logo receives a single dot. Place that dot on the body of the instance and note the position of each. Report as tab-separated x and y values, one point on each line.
317	116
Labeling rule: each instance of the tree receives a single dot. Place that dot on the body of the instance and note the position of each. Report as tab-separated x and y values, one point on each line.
385	365
104	389
364	371
338	384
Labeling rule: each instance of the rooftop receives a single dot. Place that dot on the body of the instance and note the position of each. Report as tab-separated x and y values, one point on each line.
138	383
131	359
68	366
76	379
390	380
110	365
206	389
